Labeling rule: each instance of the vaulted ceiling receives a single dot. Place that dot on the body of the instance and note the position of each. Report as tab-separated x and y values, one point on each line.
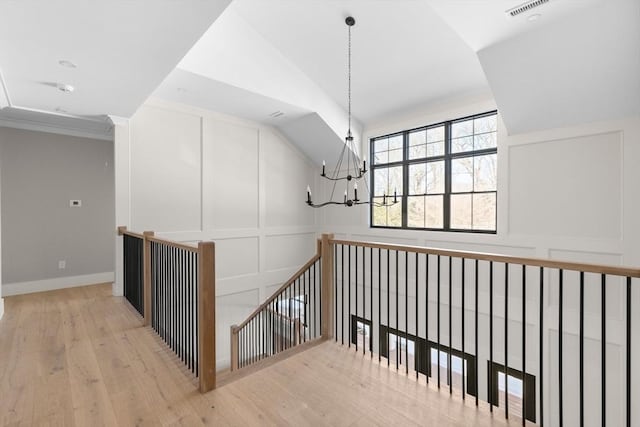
562	63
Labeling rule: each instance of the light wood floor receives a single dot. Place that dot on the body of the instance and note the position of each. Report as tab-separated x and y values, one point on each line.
79	357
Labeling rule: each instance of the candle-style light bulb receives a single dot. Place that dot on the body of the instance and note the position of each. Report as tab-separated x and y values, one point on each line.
308	194
345	196
355	191
323	165
395	196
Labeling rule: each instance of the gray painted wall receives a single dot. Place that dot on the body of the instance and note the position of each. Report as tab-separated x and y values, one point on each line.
40	173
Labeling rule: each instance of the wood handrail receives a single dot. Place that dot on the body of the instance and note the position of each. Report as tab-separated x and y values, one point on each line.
286	284
536	262
122	230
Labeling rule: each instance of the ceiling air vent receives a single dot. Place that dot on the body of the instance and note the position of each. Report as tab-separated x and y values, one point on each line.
525	7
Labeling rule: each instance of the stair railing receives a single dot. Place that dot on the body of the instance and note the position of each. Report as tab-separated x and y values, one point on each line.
172	285
478	323
293	315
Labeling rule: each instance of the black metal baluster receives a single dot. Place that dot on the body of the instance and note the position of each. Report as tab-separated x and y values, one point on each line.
524	340
628	351
581	379
163	282
506	340
193	290
306	285
371	301
290	320
281	324
335	290
197	298
179	282
604	348
364	299
379	304
426	315
320	300
277	321
406	310
463	353
541	345
417	328
449	377
388	308
297	314
349	293
356	304
438	319
560	333
160	286
476	330
491	402
342	298
398	349
312	301
170	298
188	308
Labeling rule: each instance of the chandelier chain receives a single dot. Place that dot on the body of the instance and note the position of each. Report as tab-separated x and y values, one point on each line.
349	79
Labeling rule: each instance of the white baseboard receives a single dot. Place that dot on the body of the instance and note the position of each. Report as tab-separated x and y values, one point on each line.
20	288
1	307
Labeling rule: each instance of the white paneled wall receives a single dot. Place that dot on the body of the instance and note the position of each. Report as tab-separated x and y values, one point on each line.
200	175
568	194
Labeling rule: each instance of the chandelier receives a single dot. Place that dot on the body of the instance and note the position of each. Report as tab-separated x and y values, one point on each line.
355	169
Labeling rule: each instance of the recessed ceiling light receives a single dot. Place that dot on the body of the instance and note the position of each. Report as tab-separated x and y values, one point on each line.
66	63
63	87
534	17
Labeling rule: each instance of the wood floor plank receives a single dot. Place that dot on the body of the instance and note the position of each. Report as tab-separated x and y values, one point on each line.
80	356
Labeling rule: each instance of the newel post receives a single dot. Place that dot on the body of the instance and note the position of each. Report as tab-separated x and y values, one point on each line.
234	347
146	276
327	288
207	315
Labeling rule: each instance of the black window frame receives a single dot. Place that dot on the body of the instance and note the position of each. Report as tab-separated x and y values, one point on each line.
447	157
528	388
354	330
422	357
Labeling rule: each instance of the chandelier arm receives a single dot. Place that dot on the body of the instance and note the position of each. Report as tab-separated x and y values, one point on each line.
344	178
320	205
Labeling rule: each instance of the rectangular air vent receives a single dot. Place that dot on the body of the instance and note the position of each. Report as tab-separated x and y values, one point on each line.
525	7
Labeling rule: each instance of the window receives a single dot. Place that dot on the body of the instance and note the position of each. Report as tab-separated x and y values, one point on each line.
361	332
418	354
444	176
515	390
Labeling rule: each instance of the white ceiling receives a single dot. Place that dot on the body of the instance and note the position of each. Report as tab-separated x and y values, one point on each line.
404	54
578	62
193	89
482	23
582	68
122	49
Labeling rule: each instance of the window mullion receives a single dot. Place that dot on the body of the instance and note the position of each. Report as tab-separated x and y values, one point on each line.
405	179
446	203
